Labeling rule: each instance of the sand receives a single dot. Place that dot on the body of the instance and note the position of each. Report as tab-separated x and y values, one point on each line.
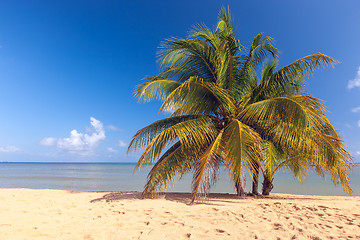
57	214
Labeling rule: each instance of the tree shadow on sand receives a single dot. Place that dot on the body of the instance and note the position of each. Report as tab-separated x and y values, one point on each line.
210	199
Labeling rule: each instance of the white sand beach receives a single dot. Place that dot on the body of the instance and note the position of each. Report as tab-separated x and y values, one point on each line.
58	214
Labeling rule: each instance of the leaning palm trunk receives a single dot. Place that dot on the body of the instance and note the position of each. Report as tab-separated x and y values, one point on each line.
267	185
255	184
240	184
239	189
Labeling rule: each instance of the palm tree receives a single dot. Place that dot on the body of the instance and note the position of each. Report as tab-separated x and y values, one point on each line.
222	115
216	57
200	135
295	130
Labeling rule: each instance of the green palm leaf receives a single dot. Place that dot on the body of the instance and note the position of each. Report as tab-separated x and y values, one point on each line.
147	134
294	73
207	165
242	145
198	97
156	88
195	132
176	161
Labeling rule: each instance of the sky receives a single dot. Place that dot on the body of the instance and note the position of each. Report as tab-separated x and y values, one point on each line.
68	69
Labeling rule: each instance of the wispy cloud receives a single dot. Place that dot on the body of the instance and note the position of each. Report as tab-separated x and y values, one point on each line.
359	123
112	150
113	128
50	141
355	82
355	110
122	143
8	149
79	143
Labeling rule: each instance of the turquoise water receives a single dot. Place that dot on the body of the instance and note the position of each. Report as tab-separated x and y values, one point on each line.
120	177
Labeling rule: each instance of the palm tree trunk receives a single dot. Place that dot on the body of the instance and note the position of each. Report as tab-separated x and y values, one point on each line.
267	185
239	189
240	182
255	184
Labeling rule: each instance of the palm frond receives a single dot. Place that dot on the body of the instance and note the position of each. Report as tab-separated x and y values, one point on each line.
155	89
196	132
245	74
261	47
208	164
175	162
295	72
287	116
242	145
299	123
273	156
198	97
195	54
145	135
204	32
224	25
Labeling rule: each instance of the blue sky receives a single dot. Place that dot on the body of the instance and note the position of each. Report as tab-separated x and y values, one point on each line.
68	69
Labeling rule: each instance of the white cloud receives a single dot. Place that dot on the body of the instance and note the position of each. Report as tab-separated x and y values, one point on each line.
113	128
122	143
355	82
98	135
9	149
50	141
355	110
359	123
112	150
79	143
358	153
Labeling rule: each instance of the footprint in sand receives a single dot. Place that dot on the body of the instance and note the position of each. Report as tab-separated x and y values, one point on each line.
324	207
314	238
310	208
296	207
278	226
119	212
180	223
88	237
222	231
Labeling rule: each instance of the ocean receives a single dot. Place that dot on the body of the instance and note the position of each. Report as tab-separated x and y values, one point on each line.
120	177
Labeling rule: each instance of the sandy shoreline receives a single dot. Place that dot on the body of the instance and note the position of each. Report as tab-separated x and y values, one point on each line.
58	214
